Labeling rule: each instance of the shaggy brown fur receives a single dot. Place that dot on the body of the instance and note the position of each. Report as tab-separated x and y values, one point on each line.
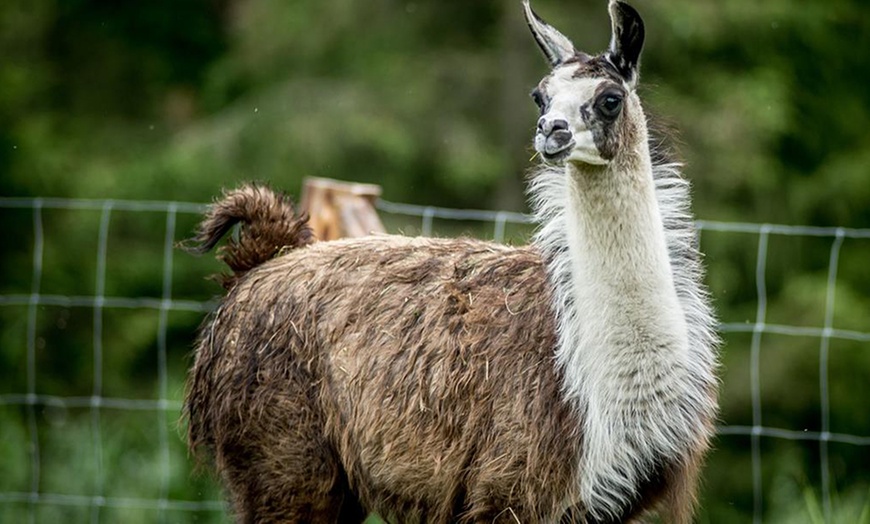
410	377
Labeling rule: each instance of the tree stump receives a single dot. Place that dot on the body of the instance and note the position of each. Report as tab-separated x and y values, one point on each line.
339	209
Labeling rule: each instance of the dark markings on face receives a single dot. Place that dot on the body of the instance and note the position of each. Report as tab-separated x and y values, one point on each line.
596	67
539	95
602	117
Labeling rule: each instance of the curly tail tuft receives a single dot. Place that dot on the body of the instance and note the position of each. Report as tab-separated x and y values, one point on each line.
269	225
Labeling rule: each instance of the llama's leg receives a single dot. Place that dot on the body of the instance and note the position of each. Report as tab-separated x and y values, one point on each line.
266	488
680	499
351	509
280	468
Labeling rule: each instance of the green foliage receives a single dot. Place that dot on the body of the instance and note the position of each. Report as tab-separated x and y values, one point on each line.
175	99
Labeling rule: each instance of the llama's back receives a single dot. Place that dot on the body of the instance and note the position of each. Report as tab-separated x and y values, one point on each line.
423	368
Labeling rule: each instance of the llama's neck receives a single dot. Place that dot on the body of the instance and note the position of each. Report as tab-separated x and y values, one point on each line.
625	302
624	343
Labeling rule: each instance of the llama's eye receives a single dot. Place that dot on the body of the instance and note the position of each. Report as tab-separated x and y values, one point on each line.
609	105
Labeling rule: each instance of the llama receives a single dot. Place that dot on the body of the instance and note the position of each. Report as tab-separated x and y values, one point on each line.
458	380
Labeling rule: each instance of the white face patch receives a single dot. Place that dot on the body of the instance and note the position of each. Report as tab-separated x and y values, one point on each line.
585	150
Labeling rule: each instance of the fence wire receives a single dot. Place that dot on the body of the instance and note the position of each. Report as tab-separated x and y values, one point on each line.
97	402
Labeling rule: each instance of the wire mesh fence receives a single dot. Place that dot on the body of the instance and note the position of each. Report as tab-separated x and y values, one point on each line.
28	302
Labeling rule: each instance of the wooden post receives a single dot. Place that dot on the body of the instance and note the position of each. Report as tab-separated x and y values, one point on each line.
339	209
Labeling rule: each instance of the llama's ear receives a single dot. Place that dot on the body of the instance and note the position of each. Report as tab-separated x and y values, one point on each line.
554	44
626	40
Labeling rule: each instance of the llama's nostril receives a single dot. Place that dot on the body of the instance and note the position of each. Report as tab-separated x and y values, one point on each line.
548	126
559	124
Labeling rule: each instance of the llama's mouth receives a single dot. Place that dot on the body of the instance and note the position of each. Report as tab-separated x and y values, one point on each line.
556	147
557	157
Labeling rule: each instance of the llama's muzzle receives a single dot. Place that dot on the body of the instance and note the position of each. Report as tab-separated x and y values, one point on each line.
554	139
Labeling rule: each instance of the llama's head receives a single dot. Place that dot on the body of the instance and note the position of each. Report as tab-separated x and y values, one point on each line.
589	110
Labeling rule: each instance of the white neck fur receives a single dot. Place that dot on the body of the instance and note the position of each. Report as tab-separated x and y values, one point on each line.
636	340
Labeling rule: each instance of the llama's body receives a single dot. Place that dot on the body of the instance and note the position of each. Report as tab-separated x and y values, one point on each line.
458	380
451	341
424	386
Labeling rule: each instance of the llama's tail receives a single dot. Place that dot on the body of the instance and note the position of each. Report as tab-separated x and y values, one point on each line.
269	225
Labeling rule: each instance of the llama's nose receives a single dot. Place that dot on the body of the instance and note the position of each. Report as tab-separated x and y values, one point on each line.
547	127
